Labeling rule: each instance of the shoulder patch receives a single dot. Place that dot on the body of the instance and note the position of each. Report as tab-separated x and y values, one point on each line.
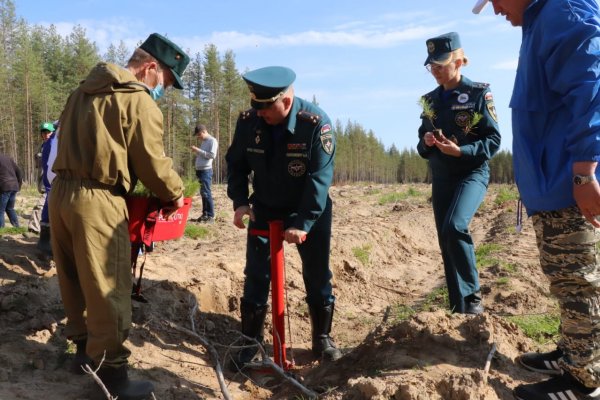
480	85
308	116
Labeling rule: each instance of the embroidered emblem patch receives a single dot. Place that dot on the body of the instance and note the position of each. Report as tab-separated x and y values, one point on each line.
296	168
326	128
488	96
462	118
430	47
327	142
492	110
463	98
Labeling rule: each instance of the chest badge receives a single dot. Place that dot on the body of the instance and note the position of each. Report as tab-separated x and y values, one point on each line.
296	168
463	98
462	118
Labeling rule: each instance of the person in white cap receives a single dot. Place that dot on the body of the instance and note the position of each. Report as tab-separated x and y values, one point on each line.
556	149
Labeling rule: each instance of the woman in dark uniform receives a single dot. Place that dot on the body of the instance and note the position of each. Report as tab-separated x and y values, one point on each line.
458	135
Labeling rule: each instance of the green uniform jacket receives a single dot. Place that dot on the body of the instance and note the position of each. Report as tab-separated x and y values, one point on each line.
120	139
291	174
453	114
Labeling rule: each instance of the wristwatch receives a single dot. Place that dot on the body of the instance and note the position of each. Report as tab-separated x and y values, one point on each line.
583	179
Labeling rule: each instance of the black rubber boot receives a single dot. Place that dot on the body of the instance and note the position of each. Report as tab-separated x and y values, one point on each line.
81	358
118	384
473	304
43	243
323	347
253	321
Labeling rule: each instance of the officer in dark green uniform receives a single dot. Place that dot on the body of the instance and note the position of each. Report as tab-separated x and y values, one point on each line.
458	157
288	145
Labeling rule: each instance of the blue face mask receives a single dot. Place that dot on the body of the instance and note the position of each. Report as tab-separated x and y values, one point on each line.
157	92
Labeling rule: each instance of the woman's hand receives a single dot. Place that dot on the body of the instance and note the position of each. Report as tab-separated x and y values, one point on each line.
429	139
447	146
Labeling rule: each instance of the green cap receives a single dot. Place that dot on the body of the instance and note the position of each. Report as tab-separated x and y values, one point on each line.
268	84
47	126
169	54
440	47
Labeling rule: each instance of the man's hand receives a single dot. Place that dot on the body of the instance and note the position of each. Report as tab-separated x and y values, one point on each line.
172	207
587	196
238	216
588	200
293	235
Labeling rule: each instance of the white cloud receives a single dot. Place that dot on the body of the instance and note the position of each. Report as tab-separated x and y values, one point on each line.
365	38
510	65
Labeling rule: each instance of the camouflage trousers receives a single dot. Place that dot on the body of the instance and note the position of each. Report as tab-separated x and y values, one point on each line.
570	259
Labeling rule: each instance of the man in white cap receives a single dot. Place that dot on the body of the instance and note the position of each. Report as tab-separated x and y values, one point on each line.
556	148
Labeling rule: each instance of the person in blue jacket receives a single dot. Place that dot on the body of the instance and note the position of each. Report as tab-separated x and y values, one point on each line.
287	143
556	147
458	156
44	240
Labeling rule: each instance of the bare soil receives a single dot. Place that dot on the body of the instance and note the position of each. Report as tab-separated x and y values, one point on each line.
398	341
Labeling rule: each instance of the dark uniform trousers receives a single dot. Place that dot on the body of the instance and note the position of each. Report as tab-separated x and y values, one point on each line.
90	243
314	253
455	200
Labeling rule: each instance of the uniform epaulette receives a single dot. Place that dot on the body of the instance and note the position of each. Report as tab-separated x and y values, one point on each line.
247	114
480	85
308	116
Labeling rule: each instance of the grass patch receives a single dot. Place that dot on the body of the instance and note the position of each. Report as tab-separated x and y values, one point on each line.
484	254
437	299
197	232
541	328
503	281
395	197
362	254
11	230
511	268
506	194
402	312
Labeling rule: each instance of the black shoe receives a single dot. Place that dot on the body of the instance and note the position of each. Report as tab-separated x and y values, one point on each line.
81	358
546	363
474	308
473	304
560	387
325	349
119	385
245	356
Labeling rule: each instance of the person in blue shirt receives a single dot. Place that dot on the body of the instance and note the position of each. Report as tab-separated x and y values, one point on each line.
556	147
205	155
458	135
287	143
44	240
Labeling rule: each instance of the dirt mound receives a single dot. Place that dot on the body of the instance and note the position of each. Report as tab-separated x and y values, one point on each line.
397	340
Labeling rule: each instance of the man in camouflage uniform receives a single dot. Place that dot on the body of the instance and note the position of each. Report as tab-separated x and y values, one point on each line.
556	149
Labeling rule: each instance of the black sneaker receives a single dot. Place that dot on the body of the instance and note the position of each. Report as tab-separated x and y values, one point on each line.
545	363
562	387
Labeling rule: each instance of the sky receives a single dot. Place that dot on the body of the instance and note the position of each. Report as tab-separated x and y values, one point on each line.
362	60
